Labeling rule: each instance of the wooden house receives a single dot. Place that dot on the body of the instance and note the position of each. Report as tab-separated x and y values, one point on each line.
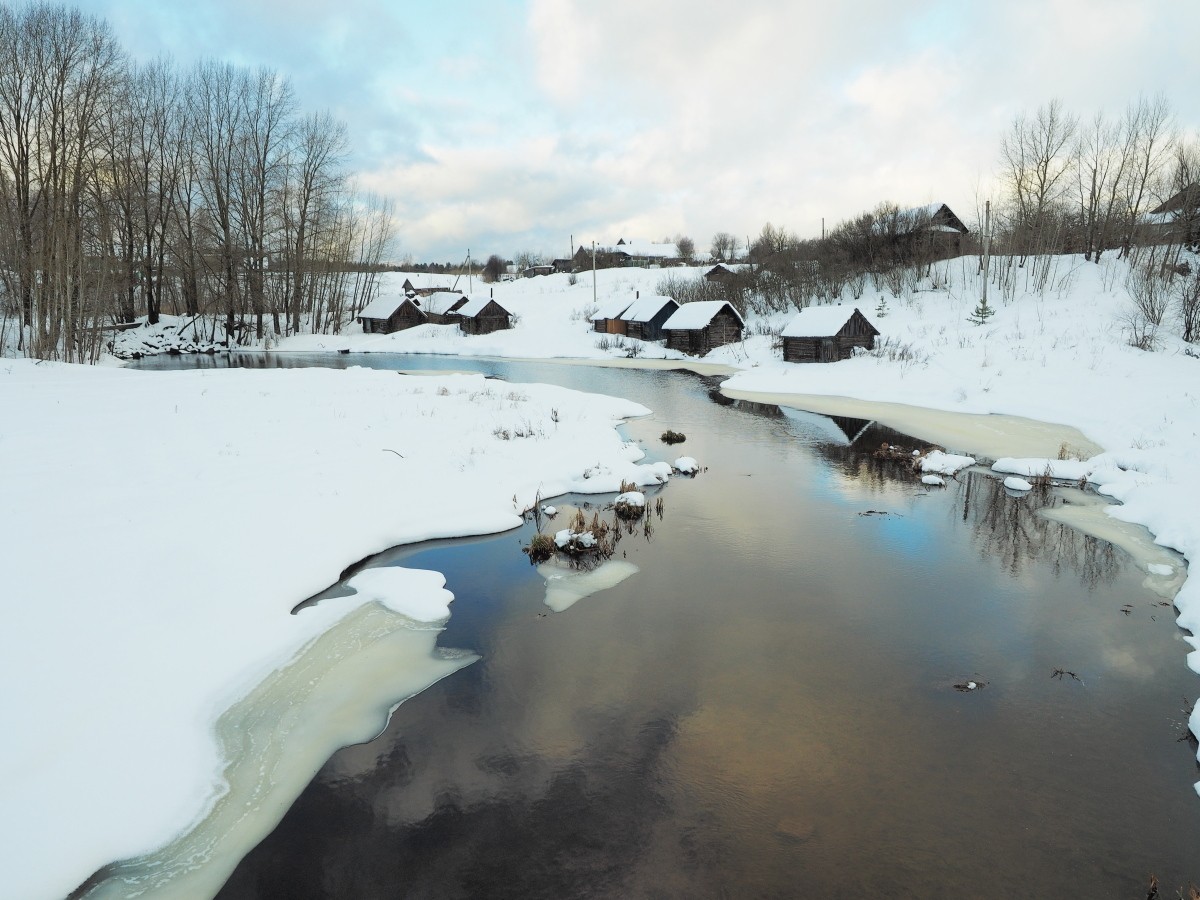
645	318
719	273
483	315
422	285
383	315
607	319
1177	219
441	307
826	334
703	326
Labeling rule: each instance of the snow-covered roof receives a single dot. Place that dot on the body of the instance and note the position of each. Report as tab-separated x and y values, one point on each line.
727	266
425	281
382	307
612	309
440	302
474	306
646	308
646	249
698	314
818	321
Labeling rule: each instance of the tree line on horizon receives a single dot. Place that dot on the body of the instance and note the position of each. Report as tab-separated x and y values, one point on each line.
134	189
1066	186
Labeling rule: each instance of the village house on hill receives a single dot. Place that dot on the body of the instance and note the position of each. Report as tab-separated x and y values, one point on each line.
826	334
699	327
1178	218
425	284
627	253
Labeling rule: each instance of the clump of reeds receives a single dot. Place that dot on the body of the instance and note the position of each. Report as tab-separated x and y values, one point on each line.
673	437
540	549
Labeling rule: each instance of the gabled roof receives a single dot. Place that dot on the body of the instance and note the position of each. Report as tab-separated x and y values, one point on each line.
1189	196
820	321
383	307
441	302
697	315
646	308
612	309
643	249
425	281
475	305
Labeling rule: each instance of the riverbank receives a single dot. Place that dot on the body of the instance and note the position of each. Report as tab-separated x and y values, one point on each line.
164	524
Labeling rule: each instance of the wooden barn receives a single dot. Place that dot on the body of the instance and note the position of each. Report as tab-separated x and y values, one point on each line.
483	315
423	284
644	320
719	273
441	307
826	334
703	326
383	315
607	319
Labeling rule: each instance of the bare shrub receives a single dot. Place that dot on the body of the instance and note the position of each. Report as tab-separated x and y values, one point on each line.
1187	296
1150	291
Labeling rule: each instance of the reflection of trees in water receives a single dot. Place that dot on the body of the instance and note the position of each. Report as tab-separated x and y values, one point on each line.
1009	529
861	461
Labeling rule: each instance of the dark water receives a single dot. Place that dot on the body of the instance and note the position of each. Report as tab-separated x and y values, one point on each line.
767	709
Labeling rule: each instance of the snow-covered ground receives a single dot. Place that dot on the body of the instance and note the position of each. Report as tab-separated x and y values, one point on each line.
251	489
159	527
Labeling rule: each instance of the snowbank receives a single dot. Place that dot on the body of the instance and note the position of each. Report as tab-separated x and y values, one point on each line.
161	526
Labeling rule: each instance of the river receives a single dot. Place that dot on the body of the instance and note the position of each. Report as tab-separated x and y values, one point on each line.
774	705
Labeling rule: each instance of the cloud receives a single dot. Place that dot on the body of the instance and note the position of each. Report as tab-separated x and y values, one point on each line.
553	117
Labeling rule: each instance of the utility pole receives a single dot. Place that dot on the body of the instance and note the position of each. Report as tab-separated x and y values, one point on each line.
470	275
987	239
594	302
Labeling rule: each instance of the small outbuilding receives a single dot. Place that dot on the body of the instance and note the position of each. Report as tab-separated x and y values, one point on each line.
441	307
607	319
644	320
719	274
826	334
483	315
383	315
703	326
422	285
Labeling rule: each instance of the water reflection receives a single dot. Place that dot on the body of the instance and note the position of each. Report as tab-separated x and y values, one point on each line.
767	707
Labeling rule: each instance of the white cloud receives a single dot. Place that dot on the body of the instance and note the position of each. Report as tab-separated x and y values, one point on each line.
600	119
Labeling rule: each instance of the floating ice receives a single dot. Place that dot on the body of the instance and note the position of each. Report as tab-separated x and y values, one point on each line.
1013	483
565	587
933	480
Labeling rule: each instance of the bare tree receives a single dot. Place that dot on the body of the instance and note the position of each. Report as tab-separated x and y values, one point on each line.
1148	125
1036	164
686	247
724	246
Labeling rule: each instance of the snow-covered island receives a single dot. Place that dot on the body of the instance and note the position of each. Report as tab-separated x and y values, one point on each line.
193	510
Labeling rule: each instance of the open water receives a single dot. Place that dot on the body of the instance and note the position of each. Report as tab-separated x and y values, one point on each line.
768	708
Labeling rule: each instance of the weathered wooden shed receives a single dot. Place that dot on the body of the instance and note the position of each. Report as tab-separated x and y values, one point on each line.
703	326
424	284
719	273
441	307
645	318
607	319
826	334
483	315
383	315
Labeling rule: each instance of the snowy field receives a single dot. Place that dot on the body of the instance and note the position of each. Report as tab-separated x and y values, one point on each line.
159	527
184	504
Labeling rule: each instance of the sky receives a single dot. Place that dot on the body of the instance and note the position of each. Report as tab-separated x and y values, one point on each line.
502	126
